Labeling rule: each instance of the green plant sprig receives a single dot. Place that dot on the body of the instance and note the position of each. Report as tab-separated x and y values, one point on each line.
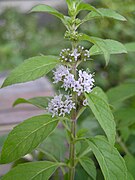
25	137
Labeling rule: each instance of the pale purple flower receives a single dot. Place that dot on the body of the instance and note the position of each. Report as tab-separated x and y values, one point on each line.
77	87
86	80
78	54
84	83
61	105
68	81
87	53
75	54
60	73
85	102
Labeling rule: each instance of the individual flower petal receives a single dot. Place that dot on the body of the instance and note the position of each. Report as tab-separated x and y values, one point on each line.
85	102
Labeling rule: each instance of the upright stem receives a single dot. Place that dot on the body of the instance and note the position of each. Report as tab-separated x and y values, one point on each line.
72	151
72	141
73	130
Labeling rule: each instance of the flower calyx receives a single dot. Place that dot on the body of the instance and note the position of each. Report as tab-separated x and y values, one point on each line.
77	55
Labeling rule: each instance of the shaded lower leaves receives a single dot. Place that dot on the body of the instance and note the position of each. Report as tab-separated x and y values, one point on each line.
81	174
129	176
97	101
125	117
120	93
125	132
111	163
130	162
41	102
27	136
53	144
32	171
89	166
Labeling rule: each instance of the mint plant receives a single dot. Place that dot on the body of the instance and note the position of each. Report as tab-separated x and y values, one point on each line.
77	92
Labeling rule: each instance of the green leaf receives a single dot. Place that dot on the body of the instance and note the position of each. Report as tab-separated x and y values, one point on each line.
125	117
97	101
103	46
81	174
97	90
51	10
121	93
88	166
108	13
69	2
84	149
114	47
32	171
111	163
54	143
47	9
85	37
27	136
41	102
31	69
124	132
87	7
129	176
82	132
130	162
97	42
107	47
48	155
130	47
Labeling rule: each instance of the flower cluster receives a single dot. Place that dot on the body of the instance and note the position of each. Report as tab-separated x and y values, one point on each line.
84	83
73	36
61	105
60	73
67	55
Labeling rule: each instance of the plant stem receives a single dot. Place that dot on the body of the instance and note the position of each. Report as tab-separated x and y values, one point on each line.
72	139
72	151
121	143
73	130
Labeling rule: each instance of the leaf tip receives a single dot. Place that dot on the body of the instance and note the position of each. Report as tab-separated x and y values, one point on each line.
3	85
14	104
124	19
